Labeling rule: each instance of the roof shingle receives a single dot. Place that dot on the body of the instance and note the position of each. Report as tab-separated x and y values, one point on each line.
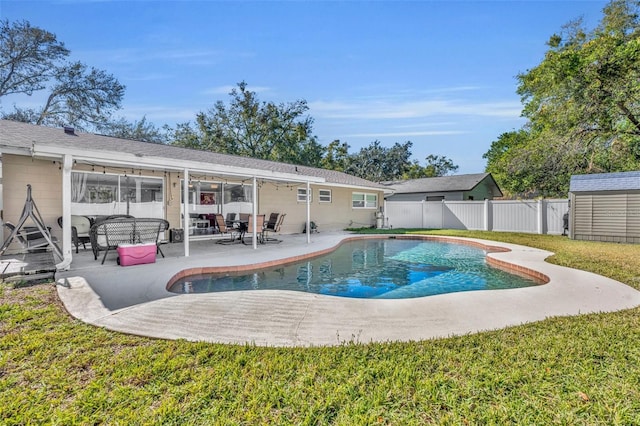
621	181
22	136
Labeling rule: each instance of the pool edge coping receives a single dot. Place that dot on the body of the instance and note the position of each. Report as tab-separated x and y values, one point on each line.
510	267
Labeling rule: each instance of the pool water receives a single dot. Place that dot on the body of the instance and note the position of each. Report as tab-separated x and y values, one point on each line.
372	268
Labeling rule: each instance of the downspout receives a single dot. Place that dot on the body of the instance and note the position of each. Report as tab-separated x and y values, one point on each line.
67	164
185	209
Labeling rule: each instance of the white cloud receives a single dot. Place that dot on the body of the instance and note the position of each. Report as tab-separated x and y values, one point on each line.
136	55
406	109
407	134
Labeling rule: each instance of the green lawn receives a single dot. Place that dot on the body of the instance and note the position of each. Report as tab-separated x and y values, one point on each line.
580	370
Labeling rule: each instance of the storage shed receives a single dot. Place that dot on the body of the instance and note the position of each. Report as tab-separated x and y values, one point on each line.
605	207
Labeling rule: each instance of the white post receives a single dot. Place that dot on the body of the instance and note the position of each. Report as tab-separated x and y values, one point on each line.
255	214
185	209
308	212
487	215
540	216
67	165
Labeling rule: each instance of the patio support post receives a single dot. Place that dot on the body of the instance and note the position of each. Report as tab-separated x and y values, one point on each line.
185	209
254	196
308	212
67	165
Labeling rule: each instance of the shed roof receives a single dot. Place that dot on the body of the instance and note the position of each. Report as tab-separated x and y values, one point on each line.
23	136
441	184
621	181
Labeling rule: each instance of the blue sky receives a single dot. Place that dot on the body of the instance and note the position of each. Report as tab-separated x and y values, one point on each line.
441	74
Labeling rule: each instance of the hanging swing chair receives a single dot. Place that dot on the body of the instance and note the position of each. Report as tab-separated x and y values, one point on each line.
32	238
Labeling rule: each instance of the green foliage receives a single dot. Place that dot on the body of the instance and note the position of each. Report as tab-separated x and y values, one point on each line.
582	105
575	370
336	156
250	128
28	57
138	130
378	163
435	166
33	60
81	96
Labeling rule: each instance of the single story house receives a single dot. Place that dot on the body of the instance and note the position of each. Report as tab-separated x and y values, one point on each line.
605	207
75	173
478	186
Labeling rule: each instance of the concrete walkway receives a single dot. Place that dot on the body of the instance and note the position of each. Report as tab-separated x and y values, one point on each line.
135	300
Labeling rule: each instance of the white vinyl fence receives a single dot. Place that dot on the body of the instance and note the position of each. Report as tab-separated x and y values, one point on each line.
531	216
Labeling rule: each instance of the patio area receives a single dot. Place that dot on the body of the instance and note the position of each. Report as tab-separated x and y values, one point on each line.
134	299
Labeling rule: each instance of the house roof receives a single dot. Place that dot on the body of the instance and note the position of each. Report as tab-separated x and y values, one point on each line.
28	137
442	184
621	181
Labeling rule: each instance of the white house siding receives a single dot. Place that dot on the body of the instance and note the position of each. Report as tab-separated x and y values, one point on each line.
336	215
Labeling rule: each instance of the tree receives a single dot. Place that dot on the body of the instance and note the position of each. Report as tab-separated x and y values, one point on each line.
28	57
377	163
34	60
582	103
138	130
336	156
436	166
503	162
248	127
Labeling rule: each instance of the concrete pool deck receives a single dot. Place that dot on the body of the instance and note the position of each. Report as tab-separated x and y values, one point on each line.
134	300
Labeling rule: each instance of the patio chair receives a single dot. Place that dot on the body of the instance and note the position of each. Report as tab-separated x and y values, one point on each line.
231	217
259	225
273	226
224	229
80	228
273	220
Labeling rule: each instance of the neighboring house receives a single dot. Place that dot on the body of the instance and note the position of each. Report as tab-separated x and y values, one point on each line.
605	207
73	173
479	186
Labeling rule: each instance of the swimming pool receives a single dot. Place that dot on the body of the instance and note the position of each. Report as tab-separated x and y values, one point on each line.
371	268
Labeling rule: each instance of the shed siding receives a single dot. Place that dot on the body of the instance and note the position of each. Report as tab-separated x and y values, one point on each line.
633	215
613	217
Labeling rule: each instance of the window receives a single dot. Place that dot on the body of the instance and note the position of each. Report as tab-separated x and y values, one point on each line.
361	200
324	195
302	195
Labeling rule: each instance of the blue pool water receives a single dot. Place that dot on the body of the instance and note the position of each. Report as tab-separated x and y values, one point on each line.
371	268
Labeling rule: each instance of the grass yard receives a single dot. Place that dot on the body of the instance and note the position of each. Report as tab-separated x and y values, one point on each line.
579	370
